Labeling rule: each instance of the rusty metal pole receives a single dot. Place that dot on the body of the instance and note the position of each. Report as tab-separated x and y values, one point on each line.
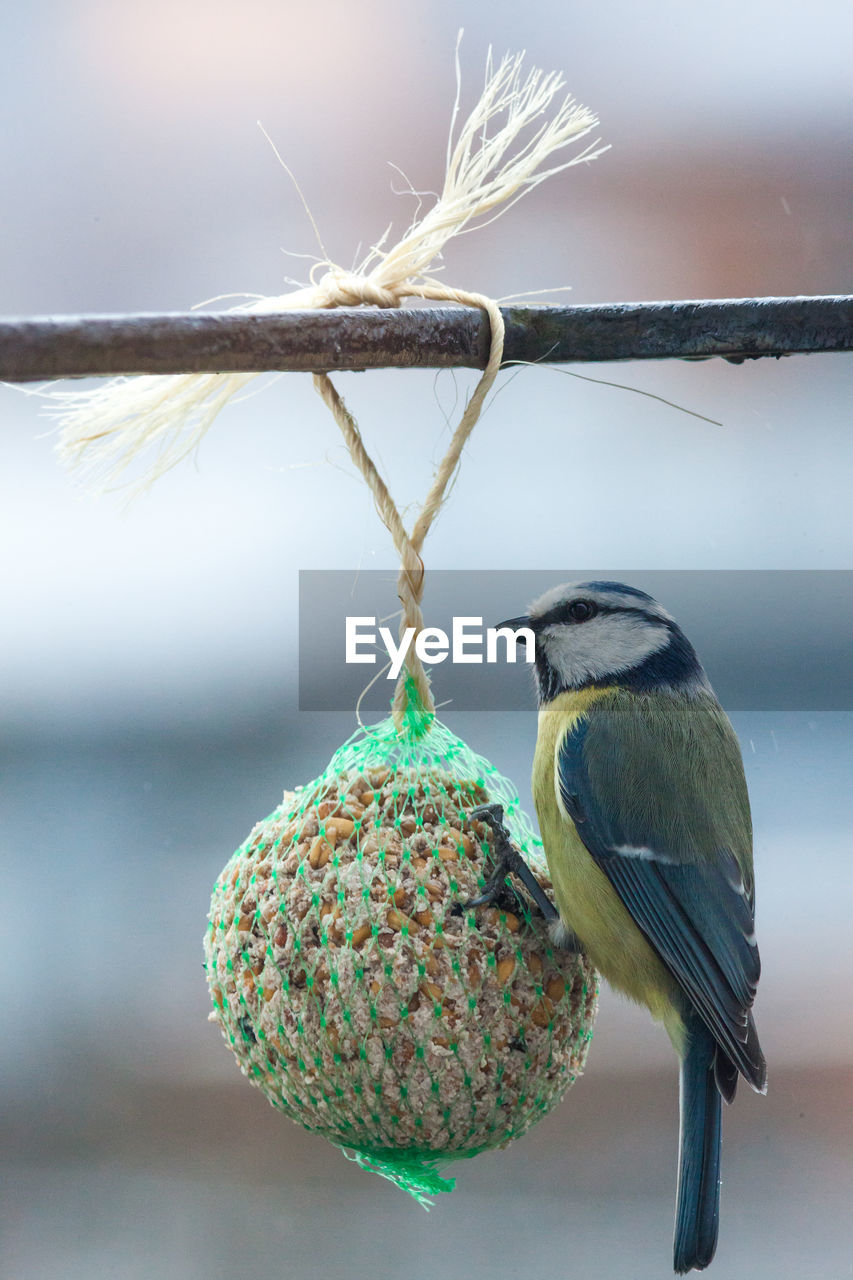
42	348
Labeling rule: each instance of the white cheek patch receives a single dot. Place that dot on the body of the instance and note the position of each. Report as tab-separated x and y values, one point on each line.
604	646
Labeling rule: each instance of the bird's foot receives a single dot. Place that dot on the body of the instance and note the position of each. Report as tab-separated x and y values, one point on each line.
508	861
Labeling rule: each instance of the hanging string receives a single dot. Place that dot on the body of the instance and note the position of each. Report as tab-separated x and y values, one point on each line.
410	583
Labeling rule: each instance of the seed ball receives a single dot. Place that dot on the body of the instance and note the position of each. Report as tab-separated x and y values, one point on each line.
359	994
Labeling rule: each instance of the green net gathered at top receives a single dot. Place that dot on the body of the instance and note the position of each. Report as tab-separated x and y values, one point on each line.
355	988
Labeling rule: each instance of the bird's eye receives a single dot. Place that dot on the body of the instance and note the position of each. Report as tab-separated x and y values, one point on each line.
582	610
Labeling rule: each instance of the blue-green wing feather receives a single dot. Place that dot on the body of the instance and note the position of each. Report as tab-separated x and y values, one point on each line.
655	787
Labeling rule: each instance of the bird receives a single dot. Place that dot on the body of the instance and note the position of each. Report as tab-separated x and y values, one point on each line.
641	798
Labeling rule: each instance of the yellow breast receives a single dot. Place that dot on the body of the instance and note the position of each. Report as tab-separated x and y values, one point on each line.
587	902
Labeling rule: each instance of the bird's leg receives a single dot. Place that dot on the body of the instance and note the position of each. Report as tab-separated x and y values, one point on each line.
508	861
562	938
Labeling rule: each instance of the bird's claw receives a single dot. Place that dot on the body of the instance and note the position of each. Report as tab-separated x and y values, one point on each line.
508	861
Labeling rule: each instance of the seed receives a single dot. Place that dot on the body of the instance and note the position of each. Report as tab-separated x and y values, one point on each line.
244	924
397	896
320	853
556	989
447	854
534	963
424	917
511	921
367	797
339	829
280	938
431	990
397	920
504	968
431	964
434	890
541	1014
460	839
441	1041
375	988
360	935
258	967
387	1023
269	992
414	1004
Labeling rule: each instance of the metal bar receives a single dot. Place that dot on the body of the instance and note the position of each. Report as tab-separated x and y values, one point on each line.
418	337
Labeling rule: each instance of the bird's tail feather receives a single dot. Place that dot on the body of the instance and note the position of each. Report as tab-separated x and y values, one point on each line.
698	1202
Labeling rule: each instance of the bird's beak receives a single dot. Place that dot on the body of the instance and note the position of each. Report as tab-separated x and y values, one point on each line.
515	623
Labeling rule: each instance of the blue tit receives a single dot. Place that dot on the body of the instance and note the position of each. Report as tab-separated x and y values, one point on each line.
642	804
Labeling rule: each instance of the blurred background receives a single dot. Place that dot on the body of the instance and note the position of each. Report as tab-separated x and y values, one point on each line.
148	664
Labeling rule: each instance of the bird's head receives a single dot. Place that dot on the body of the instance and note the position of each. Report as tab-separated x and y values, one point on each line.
603	633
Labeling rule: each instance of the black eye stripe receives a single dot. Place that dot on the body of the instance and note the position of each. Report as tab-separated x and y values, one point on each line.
560	614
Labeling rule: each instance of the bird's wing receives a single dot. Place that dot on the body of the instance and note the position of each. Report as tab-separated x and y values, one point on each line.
655	788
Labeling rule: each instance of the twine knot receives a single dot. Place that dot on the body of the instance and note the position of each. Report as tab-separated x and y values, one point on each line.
338	288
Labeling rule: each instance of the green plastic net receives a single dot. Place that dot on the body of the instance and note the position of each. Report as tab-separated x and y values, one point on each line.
357	991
